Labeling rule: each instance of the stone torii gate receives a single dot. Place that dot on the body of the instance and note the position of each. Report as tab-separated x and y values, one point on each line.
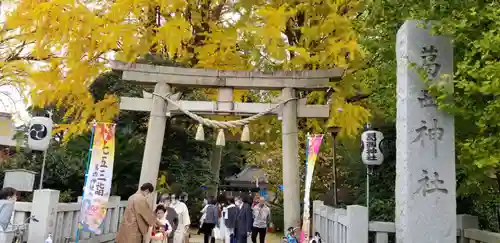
164	78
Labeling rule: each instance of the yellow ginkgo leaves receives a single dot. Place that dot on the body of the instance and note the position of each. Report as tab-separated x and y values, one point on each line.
74	40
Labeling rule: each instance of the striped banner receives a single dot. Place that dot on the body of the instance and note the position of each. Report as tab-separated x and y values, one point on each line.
313	144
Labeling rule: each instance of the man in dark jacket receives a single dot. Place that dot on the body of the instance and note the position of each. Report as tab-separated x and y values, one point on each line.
244	220
230	213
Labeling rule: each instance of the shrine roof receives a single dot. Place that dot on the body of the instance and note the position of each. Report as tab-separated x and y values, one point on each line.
248	175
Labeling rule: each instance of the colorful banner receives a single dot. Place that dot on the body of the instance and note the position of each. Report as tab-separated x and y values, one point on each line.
313	144
98	182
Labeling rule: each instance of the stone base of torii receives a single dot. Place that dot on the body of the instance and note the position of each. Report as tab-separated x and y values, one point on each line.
165	78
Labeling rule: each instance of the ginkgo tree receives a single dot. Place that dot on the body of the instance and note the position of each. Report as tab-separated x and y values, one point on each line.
73	41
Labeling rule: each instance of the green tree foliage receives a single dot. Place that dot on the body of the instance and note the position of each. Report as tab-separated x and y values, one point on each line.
475	30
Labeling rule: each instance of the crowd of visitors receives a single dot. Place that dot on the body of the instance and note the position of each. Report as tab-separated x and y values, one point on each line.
233	219
230	219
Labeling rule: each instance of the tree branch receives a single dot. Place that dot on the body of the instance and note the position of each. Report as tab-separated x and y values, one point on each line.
356	98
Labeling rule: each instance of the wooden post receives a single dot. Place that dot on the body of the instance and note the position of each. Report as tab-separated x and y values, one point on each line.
291	178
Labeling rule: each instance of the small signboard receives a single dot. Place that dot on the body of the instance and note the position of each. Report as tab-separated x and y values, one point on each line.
19	179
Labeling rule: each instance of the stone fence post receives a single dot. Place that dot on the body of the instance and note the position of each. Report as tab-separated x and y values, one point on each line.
114	202
316	218
44	208
357	228
465	221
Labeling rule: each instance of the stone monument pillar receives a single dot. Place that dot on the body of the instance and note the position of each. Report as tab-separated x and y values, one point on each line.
425	144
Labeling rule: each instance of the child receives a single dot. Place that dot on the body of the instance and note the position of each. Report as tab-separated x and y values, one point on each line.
316	238
203	214
290	237
161	233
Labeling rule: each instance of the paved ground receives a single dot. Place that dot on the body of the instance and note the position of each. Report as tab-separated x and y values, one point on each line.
270	238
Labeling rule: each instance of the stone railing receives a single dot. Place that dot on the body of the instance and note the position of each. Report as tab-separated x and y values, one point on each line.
60	219
347	226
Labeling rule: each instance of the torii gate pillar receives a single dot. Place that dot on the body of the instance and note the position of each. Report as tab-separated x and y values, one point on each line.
291	176
154	138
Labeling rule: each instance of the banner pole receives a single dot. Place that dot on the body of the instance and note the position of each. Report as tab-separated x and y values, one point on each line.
89	156
40	185
307	148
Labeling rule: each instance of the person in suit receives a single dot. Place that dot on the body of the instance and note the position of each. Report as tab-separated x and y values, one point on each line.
244	219
229	214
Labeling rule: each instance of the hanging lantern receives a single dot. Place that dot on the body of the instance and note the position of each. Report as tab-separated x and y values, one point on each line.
40	133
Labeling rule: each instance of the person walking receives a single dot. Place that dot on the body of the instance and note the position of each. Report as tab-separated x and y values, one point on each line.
229	214
184	221
8	197
261	220
138	217
222	203
210	221
203	213
243	226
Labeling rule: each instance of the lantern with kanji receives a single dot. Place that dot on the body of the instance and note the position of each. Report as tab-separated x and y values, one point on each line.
371	147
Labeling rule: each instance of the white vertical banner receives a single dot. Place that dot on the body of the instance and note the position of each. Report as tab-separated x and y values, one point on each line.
313	144
98	183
